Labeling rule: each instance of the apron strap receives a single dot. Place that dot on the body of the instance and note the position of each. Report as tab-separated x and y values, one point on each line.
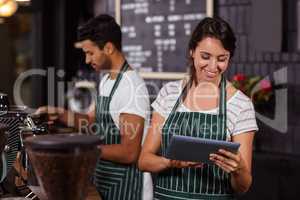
119	77
222	108
223	95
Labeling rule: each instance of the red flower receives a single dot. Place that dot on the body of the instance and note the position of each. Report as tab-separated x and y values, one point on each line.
265	85
239	77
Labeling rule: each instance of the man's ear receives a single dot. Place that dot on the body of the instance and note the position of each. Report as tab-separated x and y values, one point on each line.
109	48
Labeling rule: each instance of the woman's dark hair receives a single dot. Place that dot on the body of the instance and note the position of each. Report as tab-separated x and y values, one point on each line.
100	30
214	28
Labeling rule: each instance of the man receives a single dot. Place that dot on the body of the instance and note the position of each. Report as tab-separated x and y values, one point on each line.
121	113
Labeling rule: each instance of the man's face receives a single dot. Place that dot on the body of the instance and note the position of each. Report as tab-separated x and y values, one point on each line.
94	56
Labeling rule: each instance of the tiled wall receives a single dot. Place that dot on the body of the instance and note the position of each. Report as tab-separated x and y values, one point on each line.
252	62
248	60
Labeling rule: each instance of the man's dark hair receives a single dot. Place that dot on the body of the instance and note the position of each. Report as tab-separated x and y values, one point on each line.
100	30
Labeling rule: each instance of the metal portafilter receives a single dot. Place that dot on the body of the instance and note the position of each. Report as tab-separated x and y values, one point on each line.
41	122
63	164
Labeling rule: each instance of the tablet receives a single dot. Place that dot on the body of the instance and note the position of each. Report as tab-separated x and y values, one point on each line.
194	149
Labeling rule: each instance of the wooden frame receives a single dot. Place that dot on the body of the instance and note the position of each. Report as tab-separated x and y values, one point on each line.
163	75
118	11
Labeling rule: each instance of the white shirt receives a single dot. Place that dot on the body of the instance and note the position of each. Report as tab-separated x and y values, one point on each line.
240	110
131	96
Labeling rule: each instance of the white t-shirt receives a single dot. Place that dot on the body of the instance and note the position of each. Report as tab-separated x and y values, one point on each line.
240	110
131	96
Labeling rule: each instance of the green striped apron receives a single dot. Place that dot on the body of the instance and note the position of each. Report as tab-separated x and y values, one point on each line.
114	181
209	182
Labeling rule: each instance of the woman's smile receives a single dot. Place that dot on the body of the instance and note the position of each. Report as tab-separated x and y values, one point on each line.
210	74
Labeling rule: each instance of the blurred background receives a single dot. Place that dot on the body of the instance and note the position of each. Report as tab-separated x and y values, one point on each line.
39	58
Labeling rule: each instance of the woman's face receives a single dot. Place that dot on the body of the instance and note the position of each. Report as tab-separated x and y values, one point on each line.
210	59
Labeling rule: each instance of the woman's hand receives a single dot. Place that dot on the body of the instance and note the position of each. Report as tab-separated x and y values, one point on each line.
229	162
182	164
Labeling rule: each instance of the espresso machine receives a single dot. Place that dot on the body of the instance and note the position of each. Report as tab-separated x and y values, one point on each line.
10	139
15	123
59	166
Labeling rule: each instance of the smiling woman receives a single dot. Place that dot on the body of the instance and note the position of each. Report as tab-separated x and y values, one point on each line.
205	106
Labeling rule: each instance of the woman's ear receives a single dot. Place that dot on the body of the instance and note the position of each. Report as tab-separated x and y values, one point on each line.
191	53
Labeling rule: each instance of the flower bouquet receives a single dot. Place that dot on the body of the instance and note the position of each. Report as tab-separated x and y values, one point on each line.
257	88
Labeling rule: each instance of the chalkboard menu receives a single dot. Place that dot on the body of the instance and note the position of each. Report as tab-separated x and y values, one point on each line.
156	32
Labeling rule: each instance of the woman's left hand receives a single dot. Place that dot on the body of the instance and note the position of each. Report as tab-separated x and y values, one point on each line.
229	162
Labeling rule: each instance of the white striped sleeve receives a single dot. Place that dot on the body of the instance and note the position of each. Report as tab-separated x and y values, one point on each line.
160	103
166	98
246	120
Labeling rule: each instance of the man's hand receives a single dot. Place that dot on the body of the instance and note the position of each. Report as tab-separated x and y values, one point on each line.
49	113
